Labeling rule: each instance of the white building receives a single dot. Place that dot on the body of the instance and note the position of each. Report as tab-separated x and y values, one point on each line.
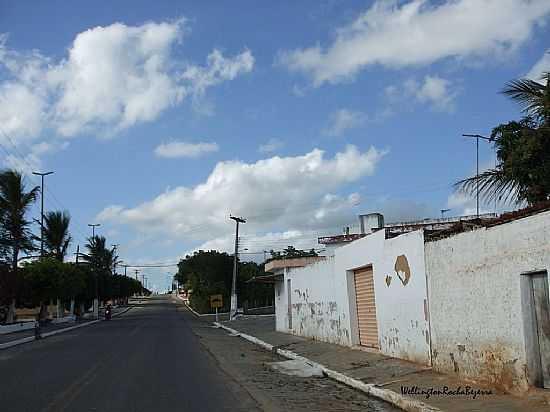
469	300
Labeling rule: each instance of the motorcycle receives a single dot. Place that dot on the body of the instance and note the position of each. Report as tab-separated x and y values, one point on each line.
108	311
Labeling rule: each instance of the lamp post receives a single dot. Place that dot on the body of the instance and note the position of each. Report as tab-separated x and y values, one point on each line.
233	309
42	210
93	226
96	300
477	137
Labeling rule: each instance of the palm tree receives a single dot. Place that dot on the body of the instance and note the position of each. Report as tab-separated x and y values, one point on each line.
15	235
532	96
14	205
99	256
523	149
56	233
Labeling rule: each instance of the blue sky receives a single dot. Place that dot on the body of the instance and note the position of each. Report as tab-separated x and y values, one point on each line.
161	120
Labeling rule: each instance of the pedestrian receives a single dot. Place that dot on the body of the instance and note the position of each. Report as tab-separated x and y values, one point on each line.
37	332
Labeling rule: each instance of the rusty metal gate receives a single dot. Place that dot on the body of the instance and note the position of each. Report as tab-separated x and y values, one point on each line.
366	307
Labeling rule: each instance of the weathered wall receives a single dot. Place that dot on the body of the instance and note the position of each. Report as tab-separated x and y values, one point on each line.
475	299
323	296
319	303
281	321
400	295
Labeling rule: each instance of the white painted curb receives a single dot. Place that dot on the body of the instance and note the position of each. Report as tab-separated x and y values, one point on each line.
16	342
403	402
197	314
54	332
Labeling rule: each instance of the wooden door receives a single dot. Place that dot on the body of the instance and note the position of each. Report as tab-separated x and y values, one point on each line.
366	307
541	302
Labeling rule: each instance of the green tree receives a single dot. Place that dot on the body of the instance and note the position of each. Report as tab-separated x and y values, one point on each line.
15	234
15	202
56	234
291	252
207	273
522	173
99	257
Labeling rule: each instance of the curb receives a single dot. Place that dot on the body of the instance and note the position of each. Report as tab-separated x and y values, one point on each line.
54	332
194	312
403	402
197	314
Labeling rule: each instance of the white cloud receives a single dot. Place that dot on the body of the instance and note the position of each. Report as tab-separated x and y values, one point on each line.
342	120
435	91
462	204
177	149
116	76
218	69
272	145
32	160
396	34
112	78
540	67
278	192
22	113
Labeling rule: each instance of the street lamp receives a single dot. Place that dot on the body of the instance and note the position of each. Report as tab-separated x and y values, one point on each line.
443	211
96	302
477	137
93	226
42	210
233	308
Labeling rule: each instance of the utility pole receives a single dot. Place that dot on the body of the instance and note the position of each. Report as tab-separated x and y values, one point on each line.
477	137
233	309
77	253
42	210
93	226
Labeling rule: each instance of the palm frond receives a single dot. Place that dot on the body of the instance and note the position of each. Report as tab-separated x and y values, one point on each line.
493	185
529	94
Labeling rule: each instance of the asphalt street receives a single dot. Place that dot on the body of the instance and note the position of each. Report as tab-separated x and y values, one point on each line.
148	359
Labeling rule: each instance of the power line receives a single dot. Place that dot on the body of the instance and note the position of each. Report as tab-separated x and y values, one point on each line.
24	159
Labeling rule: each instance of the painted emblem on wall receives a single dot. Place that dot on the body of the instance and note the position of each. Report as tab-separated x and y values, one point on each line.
402	269
388	280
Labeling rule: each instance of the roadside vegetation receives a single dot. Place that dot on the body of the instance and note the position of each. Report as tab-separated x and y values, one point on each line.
28	280
208	273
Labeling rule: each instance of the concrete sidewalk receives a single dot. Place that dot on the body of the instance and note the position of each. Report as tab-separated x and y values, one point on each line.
50	327
393	374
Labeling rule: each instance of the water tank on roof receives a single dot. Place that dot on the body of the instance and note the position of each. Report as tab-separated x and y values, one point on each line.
371	222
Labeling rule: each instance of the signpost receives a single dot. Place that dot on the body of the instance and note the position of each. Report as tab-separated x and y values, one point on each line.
216	301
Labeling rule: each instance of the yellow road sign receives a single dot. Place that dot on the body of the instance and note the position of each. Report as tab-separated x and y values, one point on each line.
216	301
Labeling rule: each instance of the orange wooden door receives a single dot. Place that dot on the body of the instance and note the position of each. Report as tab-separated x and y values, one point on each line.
366	307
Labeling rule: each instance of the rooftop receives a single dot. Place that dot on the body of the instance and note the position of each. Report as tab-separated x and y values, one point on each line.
278	264
463	226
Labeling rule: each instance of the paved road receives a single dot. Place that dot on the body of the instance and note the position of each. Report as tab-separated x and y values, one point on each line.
159	357
145	360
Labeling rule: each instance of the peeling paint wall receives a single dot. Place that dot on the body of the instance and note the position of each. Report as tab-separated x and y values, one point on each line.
475	299
319	303
323	296
400	291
